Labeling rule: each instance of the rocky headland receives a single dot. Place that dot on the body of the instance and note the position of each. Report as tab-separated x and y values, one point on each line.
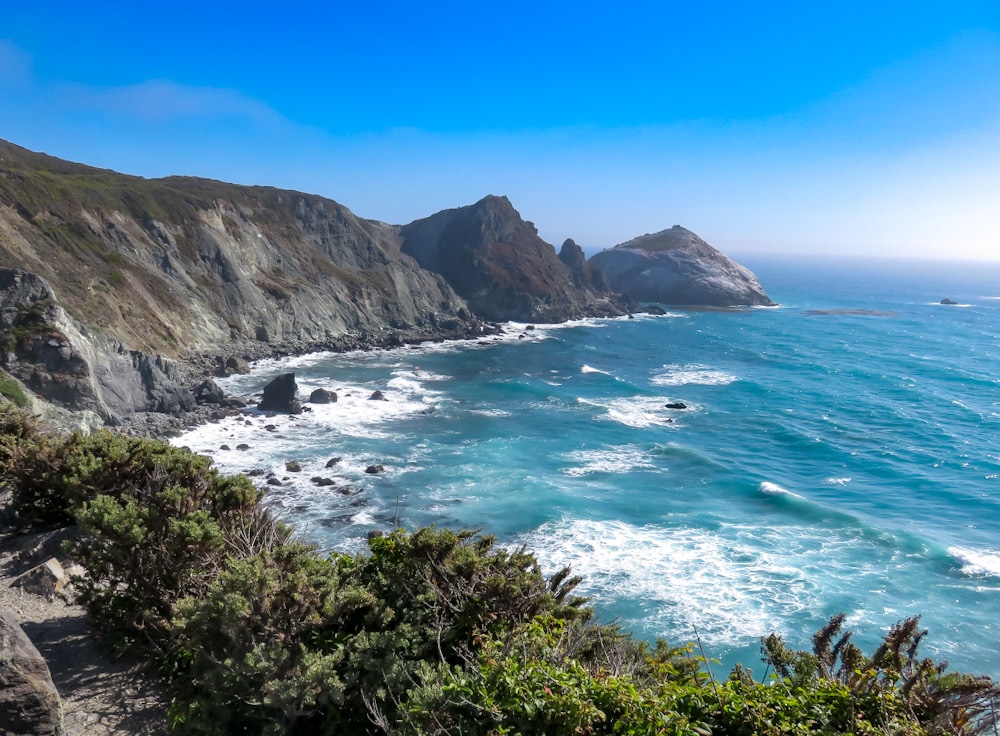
119	295
677	267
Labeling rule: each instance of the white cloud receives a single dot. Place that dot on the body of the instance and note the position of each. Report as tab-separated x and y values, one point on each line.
162	100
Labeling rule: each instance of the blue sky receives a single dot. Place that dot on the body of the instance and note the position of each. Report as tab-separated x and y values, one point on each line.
855	128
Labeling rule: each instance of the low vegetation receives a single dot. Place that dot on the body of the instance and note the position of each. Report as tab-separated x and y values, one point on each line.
429	632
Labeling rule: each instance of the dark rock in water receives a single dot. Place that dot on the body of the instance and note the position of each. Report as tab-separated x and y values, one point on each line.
272	481
29	703
375	534
293	466
280	395
949	302
323	482
271	427
676	405
653	309
322	396
332	461
373	469
675	266
209	392
242	447
377	396
256	472
224	447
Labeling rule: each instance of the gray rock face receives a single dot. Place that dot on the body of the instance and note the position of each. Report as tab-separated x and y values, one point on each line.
675	266
29	703
65	364
281	395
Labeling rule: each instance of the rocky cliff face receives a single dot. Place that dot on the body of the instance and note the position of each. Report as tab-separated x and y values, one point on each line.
105	272
675	266
178	265
498	264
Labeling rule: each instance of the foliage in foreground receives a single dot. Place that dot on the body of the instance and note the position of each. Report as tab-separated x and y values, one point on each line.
433	632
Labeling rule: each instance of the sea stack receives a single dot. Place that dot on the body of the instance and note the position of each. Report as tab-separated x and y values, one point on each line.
675	266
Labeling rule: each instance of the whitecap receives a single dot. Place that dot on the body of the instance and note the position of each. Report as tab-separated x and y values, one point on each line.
773	489
590	369
682	375
637	412
682	578
977	562
838	481
624	459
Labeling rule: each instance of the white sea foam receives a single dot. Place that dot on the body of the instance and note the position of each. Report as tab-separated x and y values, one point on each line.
838	481
624	459
682	375
591	369
734	583
773	489
977	562
682	578
637	412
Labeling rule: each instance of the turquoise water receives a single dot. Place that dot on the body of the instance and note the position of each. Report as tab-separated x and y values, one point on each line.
838	453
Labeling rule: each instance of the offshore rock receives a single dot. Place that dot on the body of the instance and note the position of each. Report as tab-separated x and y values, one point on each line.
29	703
676	266
498	264
322	396
280	395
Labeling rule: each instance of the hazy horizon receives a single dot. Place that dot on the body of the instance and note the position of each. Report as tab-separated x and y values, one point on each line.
847	130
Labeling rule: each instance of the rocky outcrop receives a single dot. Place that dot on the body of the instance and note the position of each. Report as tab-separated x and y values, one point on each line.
281	395
675	266
584	274
498	264
68	365
29	703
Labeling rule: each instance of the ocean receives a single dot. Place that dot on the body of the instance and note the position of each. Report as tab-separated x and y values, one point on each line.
838	453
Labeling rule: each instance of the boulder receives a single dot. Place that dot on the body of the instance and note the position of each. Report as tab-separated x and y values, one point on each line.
373	469
280	395
234	364
377	396
332	461
675	266
29	703
675	405
322	396
45	580
209	392
949	302
293	466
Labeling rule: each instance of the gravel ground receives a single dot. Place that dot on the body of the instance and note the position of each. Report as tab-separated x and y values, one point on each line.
101	695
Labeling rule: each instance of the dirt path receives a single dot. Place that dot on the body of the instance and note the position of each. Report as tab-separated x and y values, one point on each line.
101	696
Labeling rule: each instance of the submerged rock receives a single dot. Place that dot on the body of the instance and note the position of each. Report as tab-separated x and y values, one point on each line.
322	396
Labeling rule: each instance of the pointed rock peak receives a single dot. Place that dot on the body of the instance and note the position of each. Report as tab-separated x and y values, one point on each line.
669	239
572	254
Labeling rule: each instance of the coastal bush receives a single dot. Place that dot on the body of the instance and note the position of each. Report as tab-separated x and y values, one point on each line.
429	632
